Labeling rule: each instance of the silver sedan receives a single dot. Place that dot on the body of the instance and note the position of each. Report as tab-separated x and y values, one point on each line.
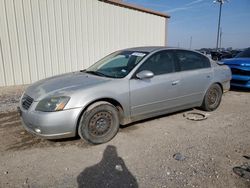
126	86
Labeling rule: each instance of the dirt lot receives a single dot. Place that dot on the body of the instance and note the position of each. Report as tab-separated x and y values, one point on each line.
141	155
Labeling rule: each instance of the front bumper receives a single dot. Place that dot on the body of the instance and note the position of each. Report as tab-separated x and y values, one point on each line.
240	81
51	125
240	76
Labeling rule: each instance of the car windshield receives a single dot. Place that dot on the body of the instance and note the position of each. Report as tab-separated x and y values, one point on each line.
244	54
117	65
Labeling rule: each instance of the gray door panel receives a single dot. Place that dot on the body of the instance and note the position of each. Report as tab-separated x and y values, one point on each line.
155	94
193	85
196	75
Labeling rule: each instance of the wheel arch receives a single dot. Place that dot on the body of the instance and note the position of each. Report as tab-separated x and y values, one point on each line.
112	101
221	86
203	102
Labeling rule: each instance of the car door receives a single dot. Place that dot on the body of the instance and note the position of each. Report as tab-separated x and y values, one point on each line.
153	95
195	77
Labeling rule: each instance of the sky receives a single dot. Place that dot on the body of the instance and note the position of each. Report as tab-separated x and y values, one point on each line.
198	19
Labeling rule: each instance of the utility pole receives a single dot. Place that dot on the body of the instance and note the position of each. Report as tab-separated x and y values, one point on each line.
220	36
221	2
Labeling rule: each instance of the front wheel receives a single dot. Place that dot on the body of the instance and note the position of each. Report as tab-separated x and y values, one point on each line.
212	98
99	123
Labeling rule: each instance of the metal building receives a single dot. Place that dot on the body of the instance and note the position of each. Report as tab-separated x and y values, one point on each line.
41	38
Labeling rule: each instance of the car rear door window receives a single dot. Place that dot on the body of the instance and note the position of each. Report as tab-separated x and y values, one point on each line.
189	60
159	63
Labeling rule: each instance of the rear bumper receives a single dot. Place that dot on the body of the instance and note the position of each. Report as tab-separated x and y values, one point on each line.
226	86
51	125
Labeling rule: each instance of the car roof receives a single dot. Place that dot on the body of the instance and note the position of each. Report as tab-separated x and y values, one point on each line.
149	49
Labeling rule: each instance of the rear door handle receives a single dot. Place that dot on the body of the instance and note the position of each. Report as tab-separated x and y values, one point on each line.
175	82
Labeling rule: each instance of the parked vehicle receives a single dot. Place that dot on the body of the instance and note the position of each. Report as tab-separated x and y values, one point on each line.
126	86
240	67
235	52
219	55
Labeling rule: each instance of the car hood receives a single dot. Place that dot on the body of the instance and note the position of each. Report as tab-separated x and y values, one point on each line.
237	61
62	85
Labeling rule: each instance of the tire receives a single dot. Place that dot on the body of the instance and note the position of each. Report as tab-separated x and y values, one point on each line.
99	123
212	98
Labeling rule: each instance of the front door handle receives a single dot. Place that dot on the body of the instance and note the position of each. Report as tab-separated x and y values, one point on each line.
175	82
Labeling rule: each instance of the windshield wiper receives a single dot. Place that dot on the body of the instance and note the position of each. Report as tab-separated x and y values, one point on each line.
97	73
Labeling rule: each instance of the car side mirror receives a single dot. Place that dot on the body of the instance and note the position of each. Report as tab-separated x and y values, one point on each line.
145	74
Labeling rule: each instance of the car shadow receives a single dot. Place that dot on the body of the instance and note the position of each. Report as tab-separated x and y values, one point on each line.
110	172
131	125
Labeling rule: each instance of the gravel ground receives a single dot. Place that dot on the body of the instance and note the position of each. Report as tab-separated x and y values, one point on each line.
9	97
141	155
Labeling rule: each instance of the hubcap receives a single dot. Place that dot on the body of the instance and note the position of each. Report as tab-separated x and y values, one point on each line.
100	123
212	97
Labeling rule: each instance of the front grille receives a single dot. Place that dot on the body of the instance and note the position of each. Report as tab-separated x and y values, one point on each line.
240	72
26	101
242	82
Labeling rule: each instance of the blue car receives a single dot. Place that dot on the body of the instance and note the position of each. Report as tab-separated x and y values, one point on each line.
240	67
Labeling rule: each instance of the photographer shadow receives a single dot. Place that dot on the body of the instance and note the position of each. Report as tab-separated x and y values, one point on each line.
110	172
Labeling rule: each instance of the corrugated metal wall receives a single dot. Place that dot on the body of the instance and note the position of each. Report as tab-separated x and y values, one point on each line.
41	38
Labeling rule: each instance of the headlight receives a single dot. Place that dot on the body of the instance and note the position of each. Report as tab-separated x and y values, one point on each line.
52	104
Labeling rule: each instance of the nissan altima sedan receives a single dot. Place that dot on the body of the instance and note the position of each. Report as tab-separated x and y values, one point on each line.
126	86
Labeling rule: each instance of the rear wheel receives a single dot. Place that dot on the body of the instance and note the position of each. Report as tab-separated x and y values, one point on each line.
212	98
99	123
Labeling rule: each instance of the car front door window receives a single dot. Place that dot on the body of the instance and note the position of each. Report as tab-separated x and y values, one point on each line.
158	93
159	63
